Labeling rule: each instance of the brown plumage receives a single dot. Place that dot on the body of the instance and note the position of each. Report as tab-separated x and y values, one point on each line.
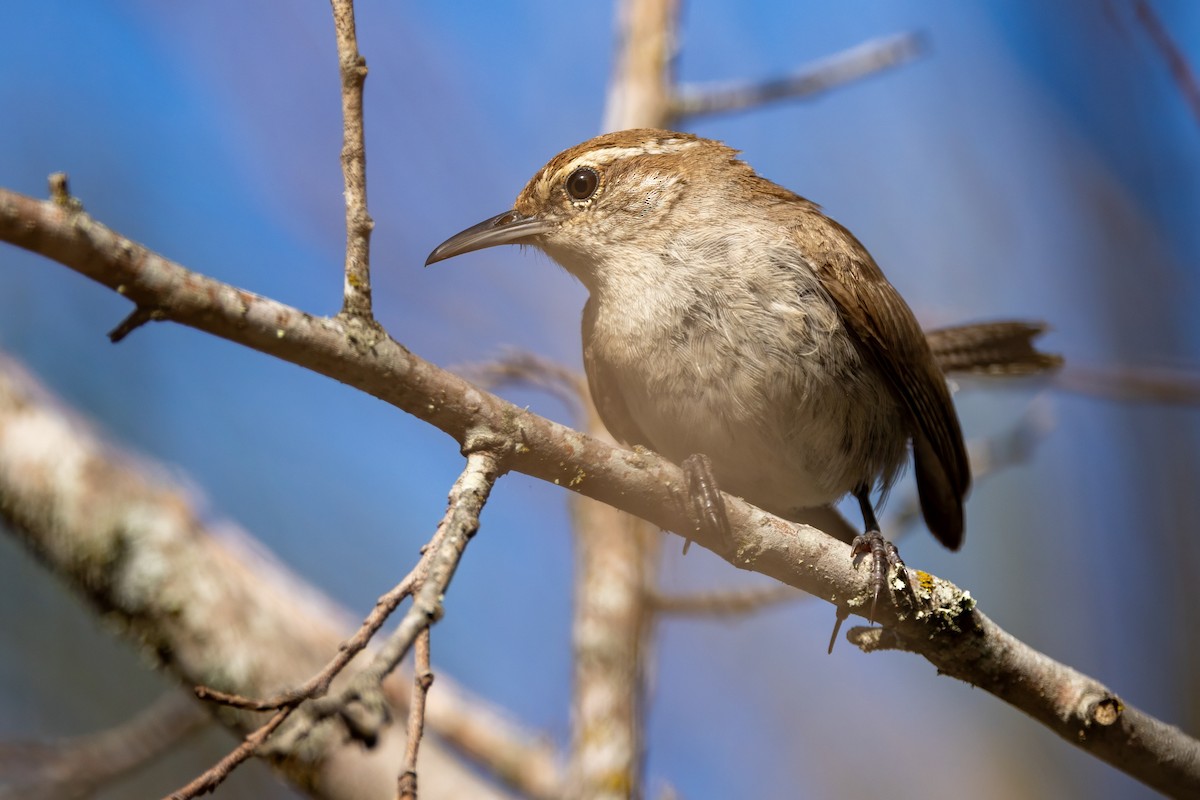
728	316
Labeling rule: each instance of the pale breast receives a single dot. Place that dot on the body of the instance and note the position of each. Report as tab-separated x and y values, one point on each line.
756	372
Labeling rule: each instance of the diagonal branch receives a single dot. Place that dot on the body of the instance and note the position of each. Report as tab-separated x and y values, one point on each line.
429	580
525	368
361	704
127	540
81	766
949	631
856	63
1177	62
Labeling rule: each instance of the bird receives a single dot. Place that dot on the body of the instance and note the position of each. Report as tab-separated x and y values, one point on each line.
734	328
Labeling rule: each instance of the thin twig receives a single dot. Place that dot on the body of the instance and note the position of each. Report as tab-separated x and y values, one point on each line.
318	684
422	680
432	574
1177	63
136	319
523	367
126	539
78	767
467	498
1134	384
353	69
215	775
728	603
360	704
850	65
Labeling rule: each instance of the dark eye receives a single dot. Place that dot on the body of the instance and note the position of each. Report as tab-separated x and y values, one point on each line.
582	183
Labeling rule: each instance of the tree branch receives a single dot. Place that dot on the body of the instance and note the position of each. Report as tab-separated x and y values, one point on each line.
426	583
1181	71
616	555
406	786
1133	384
360	705
530	369
947	629
80	766
206	605
353	70
727	603
850	65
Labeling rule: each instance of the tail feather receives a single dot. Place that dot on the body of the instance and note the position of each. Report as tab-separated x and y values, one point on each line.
991	348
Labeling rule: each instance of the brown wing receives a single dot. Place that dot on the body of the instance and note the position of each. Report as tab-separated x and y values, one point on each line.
888	334
606	390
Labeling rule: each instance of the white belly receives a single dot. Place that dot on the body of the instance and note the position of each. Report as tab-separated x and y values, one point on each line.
778	399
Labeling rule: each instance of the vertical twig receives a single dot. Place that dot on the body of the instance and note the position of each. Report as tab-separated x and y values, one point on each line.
615	551
353	69
422	680
641	94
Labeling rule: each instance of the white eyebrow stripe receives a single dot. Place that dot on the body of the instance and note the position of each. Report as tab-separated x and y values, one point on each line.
607	155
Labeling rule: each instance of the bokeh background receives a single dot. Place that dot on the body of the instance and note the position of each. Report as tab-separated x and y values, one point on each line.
1038	161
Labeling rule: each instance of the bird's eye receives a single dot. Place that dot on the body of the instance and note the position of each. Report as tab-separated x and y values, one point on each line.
582	183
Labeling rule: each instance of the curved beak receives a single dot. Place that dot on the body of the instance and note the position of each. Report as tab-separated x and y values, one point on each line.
510	227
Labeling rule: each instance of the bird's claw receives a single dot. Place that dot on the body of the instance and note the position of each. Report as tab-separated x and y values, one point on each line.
884	557
705	504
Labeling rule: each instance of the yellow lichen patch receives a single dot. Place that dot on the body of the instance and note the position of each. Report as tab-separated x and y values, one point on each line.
925	581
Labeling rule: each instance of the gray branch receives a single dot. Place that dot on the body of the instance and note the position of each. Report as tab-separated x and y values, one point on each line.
851	65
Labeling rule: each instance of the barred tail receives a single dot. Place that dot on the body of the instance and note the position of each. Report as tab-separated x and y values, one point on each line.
991	348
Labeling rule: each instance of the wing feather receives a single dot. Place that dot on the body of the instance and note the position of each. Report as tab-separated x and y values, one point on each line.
889	336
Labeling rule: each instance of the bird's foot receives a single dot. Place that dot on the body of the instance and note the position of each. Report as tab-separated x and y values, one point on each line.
705	505
884	557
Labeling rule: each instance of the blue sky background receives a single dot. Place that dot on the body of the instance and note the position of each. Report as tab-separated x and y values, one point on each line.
1037	162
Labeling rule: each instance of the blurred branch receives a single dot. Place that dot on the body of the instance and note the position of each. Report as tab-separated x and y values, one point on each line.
360	704
353	70
77	768
522	367
856	63
617	554
132	544
1177	63
723	604
1172	386
639	92
426	584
